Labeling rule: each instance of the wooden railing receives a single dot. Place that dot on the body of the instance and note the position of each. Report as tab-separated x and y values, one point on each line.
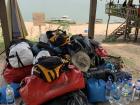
123	12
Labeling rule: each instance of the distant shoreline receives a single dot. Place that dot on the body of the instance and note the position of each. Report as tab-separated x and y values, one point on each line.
82	23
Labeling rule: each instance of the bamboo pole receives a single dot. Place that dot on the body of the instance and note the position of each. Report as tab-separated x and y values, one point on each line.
4	23
92	19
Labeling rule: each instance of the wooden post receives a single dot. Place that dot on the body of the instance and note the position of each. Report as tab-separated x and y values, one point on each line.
137	26
4	23
108	20
92	19
128	23
40	29
107	26
136	33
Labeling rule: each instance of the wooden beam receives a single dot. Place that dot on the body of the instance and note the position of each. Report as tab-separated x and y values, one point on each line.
4	23
108	20
92	18
107	26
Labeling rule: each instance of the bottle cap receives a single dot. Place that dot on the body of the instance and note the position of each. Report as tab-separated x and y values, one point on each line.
119	80
8	85
125	79
130	78
109	78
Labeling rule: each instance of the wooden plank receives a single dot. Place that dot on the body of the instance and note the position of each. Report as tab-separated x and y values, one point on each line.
92	18
4	23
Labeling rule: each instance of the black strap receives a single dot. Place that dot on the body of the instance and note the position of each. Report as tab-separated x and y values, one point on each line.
11	56
19	60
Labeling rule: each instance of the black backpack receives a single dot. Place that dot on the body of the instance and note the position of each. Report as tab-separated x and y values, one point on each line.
57	37
50	62
79	42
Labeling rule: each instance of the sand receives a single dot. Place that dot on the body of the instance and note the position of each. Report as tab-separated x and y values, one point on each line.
100	29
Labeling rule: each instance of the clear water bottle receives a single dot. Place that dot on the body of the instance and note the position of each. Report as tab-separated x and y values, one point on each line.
130	88
112	93
10	95
136	92
125	98
117	93
119	84
108	88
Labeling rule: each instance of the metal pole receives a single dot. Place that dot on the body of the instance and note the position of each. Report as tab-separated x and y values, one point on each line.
92	18
4	23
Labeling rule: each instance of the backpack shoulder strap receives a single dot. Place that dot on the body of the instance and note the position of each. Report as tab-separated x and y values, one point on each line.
19	60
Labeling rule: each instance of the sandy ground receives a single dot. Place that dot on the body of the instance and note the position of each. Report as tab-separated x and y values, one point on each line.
130	52
100	29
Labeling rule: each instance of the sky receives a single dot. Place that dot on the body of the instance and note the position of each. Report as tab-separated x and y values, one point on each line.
77	10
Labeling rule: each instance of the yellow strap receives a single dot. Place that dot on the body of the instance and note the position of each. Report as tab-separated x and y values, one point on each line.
57	69
45	71
53	38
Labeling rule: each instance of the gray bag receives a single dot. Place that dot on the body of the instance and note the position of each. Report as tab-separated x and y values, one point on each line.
20	55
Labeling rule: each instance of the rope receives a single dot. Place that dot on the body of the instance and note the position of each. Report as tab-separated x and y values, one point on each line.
2	52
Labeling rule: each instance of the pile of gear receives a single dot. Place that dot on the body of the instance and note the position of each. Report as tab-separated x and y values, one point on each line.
60	70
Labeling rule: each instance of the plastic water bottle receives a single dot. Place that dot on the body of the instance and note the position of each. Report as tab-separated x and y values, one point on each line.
112	93
131	88
108	88
136	92
10	95
125	97
119	84
117	94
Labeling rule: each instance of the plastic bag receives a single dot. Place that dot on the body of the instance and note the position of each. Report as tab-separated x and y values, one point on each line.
78	98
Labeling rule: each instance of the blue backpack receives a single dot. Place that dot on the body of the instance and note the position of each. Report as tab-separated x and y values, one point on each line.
3	92
96	90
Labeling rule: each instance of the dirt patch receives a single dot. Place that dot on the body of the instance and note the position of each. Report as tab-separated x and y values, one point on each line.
130	54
